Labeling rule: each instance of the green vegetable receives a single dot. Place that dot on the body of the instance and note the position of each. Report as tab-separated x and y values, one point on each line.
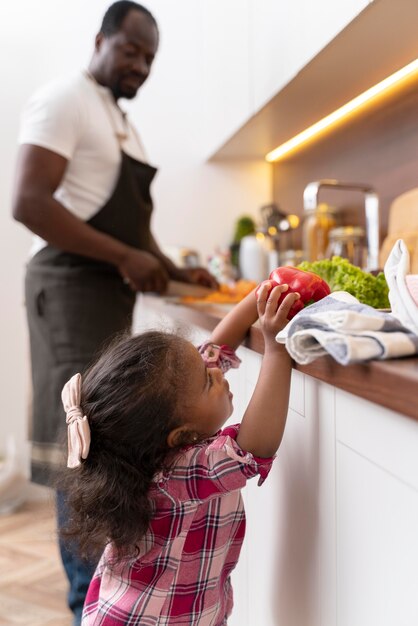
244	226
341	275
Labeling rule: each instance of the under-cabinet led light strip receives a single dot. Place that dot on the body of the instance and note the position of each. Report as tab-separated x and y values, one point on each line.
342	112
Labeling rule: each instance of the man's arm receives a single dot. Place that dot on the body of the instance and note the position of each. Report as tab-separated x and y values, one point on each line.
39	172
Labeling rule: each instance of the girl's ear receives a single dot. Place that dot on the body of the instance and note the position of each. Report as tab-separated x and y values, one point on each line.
181	436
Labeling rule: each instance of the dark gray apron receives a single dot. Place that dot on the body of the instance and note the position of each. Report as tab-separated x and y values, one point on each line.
75	305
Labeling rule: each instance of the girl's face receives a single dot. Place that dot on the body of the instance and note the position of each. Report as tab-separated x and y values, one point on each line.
209	401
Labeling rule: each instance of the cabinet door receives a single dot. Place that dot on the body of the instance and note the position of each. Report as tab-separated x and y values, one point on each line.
282	523
287	35
226	70
377	547
377	515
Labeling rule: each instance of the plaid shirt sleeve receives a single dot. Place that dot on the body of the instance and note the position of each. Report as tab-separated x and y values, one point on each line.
213	468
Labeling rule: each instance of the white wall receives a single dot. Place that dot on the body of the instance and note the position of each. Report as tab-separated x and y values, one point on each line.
196	203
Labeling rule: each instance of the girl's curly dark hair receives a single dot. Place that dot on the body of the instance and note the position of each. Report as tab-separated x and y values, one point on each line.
131	399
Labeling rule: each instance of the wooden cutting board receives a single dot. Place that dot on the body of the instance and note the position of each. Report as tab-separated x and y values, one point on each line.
178	289
403	224
403	212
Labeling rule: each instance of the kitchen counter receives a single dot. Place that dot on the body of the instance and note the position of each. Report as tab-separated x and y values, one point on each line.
392	384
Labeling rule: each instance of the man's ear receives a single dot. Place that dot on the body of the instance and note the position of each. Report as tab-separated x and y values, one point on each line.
98	41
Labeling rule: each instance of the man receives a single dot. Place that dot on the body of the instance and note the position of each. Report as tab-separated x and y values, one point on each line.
83	188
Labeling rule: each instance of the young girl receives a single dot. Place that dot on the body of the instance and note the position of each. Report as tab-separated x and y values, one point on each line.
156	482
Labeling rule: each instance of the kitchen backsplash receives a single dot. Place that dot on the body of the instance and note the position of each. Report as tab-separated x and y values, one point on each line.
378	147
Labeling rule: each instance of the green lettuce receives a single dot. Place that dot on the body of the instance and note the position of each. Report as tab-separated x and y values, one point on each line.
341	275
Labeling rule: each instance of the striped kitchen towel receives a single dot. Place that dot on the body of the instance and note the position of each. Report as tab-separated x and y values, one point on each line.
349	331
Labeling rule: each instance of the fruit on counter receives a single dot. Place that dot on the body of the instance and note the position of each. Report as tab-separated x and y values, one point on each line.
308	285
341	275
226	294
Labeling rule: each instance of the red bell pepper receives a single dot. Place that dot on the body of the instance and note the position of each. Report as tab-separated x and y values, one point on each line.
308	285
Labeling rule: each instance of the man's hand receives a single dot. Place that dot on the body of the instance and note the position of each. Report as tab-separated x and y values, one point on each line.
142	271
197	276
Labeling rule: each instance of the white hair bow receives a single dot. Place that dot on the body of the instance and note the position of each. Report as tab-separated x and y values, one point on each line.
78	426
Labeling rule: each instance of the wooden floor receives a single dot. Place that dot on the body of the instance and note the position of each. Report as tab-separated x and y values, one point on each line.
32	582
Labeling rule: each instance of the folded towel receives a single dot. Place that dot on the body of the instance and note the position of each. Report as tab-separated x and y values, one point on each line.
349	331
403	289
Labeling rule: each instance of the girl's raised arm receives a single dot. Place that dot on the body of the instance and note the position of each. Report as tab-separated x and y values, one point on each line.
236	324
264	420
263	424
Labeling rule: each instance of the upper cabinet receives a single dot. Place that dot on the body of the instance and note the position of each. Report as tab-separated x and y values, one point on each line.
285	36
226	66
307	59
251	50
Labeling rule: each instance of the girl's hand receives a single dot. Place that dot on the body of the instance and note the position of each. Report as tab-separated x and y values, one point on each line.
273	317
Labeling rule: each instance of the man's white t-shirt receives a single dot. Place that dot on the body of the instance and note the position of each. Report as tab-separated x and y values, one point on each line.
79	120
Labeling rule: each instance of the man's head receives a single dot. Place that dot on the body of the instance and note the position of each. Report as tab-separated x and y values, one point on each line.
125	48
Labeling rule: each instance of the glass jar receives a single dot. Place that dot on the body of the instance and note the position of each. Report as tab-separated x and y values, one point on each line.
291	257
349	243
317	224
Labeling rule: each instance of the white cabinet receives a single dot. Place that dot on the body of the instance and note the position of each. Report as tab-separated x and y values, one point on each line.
282	529
377	515
331	536
287	35
226	68
282	546
377	547
251	50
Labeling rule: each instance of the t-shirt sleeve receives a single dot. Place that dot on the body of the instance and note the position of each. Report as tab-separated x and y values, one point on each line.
219	467
52	119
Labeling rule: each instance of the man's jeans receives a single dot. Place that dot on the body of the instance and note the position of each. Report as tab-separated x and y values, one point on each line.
79	572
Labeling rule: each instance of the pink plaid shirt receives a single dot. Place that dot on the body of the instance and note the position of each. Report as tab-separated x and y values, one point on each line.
193	544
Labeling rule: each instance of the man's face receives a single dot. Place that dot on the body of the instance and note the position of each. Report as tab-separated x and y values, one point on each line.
125	58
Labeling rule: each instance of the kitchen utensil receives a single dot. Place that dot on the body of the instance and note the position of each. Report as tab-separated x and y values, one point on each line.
371	211
271	215
403	224
279	227
410	238
183	257
403	212
317	224
178	289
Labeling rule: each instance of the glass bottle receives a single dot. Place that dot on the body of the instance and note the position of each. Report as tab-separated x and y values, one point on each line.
317	224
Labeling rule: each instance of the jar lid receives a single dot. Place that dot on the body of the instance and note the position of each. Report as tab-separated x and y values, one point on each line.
347	232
